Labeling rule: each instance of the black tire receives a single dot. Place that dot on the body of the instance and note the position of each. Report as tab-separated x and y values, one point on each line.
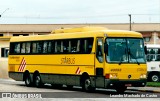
121	89
28	81
86	85
155	78
37	81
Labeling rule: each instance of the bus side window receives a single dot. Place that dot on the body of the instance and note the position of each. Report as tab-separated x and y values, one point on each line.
17	48
85	45
40	46
99	50
78	46
34	49
82	46
88	45
158	50
65	46
69	47
23	47
45	46
50	46
57	46
61	46
28	47
74	45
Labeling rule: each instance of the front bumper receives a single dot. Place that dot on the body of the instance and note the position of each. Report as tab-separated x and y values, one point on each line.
112	83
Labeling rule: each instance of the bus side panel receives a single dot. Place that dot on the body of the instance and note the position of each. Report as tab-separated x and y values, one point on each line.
72	72
16	76
59	69
61	79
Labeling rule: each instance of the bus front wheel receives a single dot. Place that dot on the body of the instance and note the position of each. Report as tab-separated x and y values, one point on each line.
86	86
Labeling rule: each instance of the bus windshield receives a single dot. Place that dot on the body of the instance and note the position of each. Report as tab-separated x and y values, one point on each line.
153	54
125	50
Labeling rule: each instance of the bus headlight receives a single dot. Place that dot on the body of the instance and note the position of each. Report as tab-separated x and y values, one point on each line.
143	76
113	76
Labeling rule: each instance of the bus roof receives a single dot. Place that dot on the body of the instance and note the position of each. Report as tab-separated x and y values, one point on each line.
79	33
78	29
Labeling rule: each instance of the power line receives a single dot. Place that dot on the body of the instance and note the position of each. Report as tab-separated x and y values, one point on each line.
148	14
4	12
77	17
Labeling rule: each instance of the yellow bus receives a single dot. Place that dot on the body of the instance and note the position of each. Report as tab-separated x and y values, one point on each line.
90	57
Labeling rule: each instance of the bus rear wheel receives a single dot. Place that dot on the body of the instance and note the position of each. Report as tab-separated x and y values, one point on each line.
28	81
38	82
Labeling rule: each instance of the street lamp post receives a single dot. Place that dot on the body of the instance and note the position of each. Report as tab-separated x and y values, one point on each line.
130	22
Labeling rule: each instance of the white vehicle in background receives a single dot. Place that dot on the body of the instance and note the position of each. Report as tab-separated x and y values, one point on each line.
153	62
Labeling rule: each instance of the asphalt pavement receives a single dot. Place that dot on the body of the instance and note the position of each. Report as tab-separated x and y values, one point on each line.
142	89
145	89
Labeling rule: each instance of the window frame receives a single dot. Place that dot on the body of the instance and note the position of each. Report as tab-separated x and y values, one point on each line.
53	46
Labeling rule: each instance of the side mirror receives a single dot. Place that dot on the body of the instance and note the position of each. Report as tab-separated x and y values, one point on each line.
145	49
105	48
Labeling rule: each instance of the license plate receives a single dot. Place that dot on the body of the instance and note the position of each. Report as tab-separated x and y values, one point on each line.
128	85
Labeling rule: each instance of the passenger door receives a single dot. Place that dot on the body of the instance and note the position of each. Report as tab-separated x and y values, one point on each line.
99	62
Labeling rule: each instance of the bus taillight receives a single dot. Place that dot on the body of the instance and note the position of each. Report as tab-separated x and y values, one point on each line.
107	76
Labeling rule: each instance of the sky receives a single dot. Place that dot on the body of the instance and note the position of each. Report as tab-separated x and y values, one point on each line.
78	11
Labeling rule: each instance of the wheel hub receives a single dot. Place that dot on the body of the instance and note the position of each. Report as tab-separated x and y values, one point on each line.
154	78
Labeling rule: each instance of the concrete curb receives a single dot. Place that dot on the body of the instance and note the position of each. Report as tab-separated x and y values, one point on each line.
150	91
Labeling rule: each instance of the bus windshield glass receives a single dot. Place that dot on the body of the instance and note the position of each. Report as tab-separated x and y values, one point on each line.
153	54
125	50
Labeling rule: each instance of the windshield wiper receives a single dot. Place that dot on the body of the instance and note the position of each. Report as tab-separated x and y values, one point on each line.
129	53
120	62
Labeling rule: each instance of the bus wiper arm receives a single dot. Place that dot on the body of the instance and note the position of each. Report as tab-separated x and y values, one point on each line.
129	53
120	62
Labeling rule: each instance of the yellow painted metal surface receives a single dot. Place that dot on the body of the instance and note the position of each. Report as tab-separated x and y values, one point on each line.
124	70
75	63
56	64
